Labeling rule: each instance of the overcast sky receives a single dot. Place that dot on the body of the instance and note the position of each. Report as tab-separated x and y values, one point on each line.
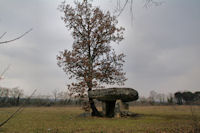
162	45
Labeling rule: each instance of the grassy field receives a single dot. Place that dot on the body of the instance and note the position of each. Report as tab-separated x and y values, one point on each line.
151	119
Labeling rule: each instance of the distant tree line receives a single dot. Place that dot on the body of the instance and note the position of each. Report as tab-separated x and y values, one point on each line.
10	97
180	98
187	97
155	98
15	97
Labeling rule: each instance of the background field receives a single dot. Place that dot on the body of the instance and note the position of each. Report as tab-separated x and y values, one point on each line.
161	119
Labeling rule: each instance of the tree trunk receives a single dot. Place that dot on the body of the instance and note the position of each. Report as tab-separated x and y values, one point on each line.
95	112
18	98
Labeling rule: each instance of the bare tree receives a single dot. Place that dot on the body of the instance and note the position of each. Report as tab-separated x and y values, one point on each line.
170	98
4	95
92	61
16	94
161	97
152	97
55	94
4	92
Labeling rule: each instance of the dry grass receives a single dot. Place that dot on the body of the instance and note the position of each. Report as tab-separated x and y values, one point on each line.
151	119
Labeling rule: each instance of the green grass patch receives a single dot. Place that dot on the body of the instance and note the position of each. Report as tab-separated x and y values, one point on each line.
151	119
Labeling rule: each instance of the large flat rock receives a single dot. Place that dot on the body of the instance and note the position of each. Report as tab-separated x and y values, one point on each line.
113	94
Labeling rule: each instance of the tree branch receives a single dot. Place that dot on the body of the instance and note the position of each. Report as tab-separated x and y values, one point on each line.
122	9
5	70
3	35
149	3
16	37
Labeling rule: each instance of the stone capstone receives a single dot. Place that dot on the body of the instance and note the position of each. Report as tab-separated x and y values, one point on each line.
113	94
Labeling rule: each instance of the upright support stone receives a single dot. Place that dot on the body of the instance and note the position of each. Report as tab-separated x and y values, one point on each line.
104	108
121	108
117	108
110	107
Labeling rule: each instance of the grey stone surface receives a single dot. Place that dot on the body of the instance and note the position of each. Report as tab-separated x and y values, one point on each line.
113	94
127	114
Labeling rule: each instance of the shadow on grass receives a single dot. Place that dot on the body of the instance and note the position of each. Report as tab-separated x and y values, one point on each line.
173	117
123	115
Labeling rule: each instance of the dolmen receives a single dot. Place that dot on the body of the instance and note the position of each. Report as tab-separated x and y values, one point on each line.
114	100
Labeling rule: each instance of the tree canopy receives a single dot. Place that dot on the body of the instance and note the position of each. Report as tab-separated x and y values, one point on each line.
92	61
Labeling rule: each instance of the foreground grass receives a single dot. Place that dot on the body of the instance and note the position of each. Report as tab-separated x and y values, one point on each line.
151	119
